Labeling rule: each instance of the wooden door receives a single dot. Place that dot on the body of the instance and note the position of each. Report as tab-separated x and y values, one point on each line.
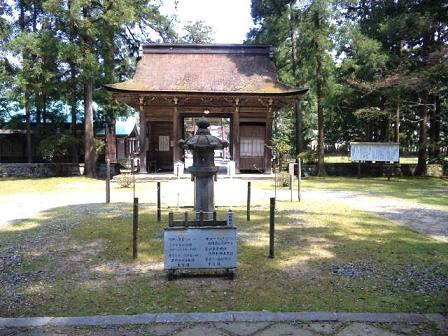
160	152
252	143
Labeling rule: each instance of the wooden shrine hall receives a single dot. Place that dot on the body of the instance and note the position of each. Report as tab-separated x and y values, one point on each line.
235	86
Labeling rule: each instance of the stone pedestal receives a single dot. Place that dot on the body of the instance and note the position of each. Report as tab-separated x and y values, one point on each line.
203	196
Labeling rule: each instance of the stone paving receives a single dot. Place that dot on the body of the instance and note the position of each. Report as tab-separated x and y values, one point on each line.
232	324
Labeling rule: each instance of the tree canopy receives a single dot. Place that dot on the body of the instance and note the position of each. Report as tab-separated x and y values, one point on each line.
57	53
376	69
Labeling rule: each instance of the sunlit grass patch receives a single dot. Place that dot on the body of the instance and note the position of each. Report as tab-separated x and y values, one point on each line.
77	260
432	192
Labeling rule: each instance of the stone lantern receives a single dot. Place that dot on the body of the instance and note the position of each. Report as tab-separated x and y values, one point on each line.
203	171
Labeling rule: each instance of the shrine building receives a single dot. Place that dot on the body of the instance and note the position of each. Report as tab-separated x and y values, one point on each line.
233	85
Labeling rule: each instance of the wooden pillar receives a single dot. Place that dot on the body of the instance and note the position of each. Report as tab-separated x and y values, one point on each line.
176	136
236	135
143	142
268	140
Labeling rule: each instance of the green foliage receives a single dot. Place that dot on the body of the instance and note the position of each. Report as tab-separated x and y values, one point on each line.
198	32
283	179
57	148
308	157
366	64
100	146
371	114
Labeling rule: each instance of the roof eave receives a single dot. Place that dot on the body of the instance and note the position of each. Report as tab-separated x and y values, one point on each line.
292	93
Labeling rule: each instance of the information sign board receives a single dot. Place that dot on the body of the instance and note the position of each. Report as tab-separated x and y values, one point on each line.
200	247
375	151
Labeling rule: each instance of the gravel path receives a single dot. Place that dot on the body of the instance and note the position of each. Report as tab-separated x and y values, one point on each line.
416	216
229	193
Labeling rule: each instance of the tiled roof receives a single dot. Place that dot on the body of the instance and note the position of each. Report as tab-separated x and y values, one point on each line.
215	69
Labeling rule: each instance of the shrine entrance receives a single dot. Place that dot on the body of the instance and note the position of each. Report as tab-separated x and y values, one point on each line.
235	86
220	127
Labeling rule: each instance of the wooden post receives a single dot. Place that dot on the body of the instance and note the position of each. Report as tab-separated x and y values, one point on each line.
185	218
359	169
176	148
143	142
133	176
291	184
214	217
236	136
275	182
159	210
248	202
271	227
299	179
268	141
135	230
107	180
170	219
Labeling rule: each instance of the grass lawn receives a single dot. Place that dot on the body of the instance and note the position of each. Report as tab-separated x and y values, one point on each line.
429	191
34	185
76	260
58	185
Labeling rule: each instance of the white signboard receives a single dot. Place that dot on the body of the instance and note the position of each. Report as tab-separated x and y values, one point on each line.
375	151
164	143
200	248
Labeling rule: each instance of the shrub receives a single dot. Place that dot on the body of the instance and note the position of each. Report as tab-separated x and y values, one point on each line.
57	147
308	157
283	179
124	180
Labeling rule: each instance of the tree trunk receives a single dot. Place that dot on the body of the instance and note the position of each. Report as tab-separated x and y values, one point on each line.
44	109
26	104
89	146
434	129
320	142
320	109
26	99
422	141
397	123
299	128
73	92
38	105
73	126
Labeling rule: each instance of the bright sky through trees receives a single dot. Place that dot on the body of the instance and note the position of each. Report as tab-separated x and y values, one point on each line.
230	19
